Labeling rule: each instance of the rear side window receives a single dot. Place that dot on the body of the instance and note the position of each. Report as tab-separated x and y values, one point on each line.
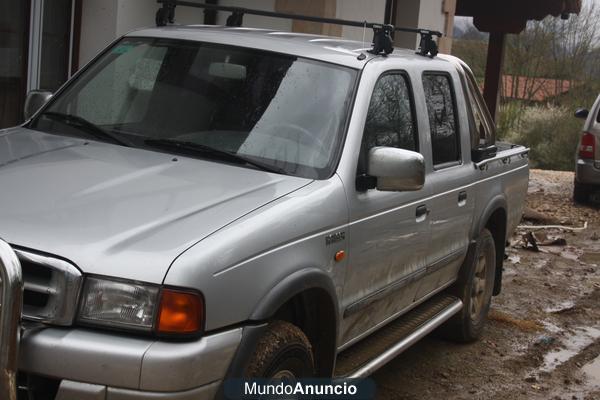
390	120
482	133
441	108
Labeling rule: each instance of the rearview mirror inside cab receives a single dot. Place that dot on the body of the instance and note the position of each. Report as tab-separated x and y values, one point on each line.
396	169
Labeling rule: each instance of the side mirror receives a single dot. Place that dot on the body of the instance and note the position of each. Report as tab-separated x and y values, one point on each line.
396	169
34	101
581	113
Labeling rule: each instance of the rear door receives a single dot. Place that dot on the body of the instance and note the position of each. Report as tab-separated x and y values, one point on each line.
450	175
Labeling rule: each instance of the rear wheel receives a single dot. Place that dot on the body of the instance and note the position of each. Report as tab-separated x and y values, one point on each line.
283	352
581	193
474	287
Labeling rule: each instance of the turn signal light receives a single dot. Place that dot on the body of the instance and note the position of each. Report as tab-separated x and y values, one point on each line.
180	312
587	147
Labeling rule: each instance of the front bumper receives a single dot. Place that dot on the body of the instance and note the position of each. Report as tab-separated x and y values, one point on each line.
70	390
125	367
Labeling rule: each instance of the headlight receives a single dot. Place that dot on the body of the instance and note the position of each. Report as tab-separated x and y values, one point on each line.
118	304
132	305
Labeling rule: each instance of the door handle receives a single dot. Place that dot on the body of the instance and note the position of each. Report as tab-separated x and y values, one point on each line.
462	197
422	212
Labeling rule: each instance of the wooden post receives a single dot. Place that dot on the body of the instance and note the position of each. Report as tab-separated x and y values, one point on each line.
493	71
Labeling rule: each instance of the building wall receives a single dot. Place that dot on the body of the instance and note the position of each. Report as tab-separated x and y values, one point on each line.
98	27
360	10
428	14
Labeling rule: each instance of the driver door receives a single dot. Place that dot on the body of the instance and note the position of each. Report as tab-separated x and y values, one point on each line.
388	232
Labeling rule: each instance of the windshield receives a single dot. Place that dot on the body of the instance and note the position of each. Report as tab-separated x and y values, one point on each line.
280	111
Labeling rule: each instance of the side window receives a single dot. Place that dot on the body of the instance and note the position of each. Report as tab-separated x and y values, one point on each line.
482	134
390	119
439	96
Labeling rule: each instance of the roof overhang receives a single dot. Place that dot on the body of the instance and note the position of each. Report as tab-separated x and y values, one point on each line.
511	16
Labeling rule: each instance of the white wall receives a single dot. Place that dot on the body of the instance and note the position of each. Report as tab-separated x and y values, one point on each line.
102	21
426	14
360	10
98	27
256	21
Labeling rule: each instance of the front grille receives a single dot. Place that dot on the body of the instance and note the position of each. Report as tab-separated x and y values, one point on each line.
51	288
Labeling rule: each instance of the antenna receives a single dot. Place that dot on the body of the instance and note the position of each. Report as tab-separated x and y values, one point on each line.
382	33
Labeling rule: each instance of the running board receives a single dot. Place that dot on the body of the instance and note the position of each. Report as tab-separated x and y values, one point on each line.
379	348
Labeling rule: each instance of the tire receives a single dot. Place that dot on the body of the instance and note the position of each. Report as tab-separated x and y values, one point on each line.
474	287
283	352
581	193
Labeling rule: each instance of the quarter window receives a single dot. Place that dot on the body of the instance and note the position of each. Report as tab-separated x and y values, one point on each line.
441	109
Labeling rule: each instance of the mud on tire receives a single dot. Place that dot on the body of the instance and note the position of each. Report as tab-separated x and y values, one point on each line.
282	352
474	287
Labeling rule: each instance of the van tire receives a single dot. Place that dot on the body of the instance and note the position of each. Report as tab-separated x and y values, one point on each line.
283	352
581	193
474	287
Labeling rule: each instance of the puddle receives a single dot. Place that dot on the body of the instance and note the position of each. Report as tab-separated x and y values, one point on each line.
590	257
573	344
571	253
561	307
539	264
514	258
550	327
592	371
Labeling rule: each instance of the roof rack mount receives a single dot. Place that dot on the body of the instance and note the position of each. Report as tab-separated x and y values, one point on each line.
382	33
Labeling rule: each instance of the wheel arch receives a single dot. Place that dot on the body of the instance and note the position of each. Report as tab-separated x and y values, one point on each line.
495	219
305	298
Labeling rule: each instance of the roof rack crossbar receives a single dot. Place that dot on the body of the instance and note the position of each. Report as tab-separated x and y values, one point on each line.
382	39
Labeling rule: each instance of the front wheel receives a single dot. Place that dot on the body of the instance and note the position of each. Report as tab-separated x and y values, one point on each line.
474	287
283	352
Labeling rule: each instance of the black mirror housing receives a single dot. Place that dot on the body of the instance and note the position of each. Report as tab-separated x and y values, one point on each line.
34	101
582	113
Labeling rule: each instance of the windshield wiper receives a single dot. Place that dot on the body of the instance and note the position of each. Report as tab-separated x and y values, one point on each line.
85	125
186	146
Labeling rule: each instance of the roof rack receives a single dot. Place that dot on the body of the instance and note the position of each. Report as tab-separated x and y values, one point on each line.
382	33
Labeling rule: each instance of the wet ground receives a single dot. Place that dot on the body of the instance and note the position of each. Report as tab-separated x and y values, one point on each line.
543	337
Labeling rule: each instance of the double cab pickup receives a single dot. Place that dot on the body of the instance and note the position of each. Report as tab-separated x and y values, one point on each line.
201	203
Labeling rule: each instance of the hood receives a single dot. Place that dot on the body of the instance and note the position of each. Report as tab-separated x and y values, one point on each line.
120	211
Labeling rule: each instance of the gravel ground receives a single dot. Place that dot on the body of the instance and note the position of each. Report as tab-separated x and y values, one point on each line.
543	337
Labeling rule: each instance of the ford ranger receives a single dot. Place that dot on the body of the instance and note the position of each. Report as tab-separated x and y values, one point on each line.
200	203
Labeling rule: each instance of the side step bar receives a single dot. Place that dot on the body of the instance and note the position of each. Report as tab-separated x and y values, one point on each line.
376	350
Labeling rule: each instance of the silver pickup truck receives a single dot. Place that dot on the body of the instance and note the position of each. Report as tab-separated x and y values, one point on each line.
201	203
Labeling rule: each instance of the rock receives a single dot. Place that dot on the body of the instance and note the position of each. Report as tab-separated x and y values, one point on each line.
531	379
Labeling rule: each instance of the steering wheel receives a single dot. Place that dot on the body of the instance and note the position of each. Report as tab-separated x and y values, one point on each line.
315	142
